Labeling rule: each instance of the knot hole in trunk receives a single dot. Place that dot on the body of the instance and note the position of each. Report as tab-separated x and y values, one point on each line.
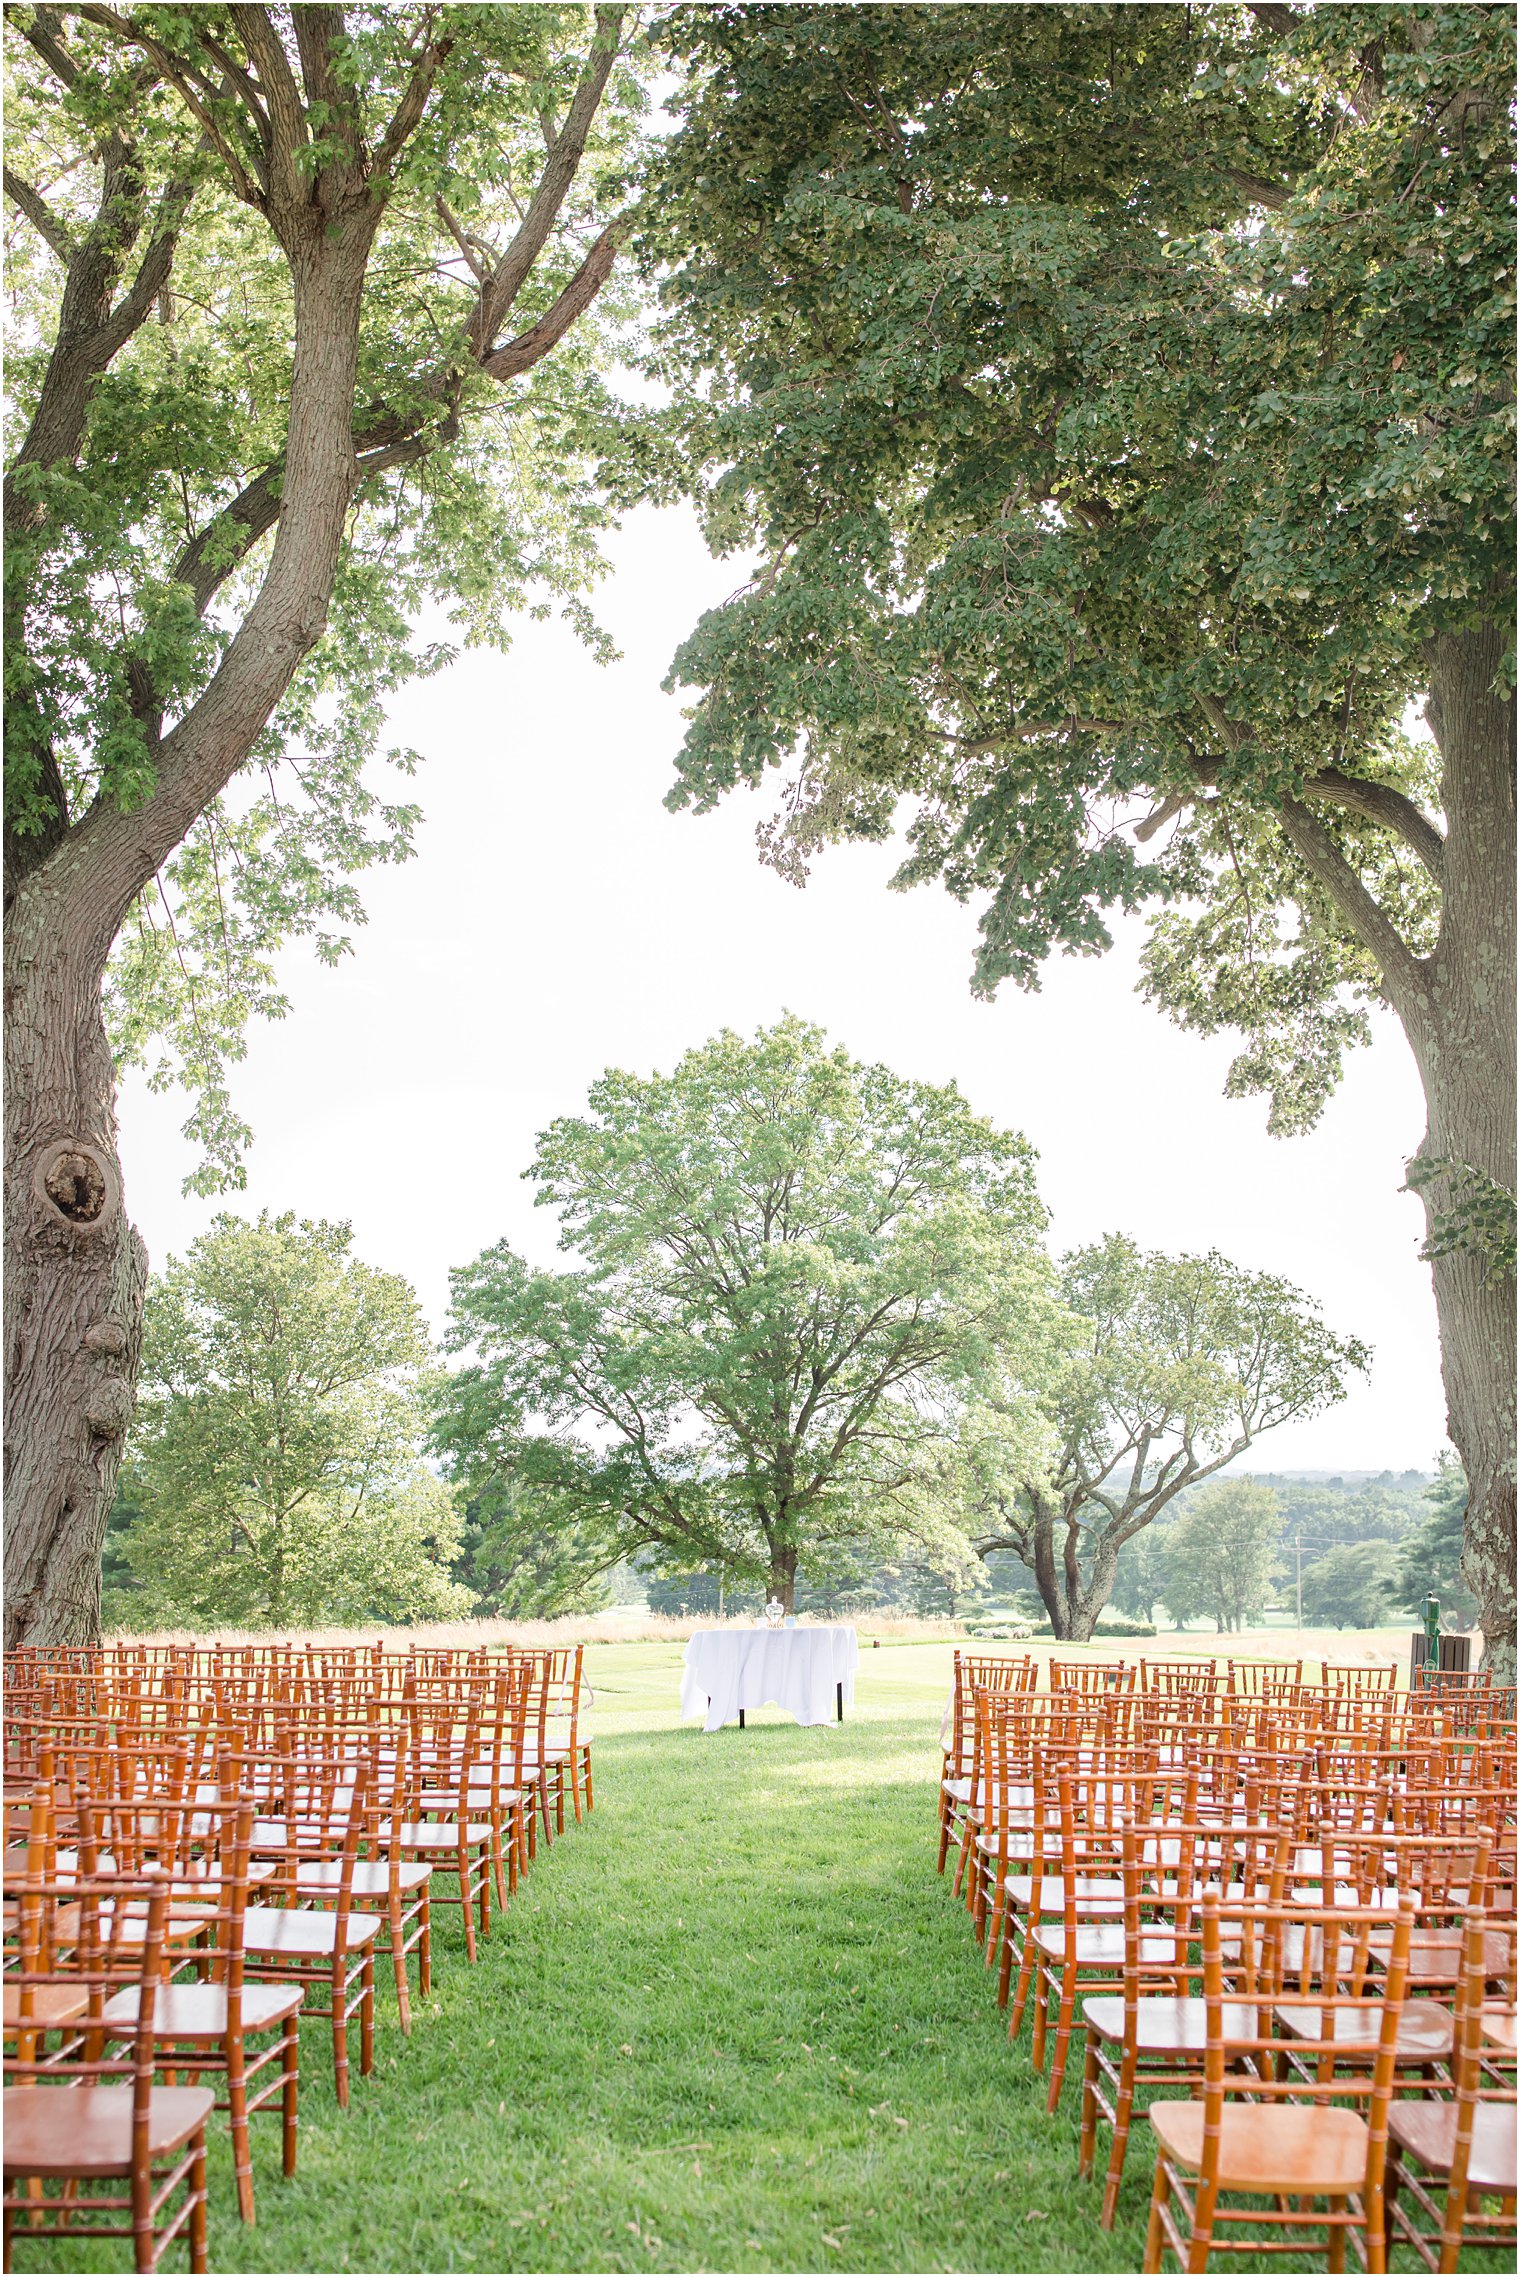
77	1184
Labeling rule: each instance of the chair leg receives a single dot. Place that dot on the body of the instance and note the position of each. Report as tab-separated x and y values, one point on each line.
1065	2010
960	1861
1335	2240
397	1932
198	2261
466	1898
237	2109
1037	2045
290	2087
1155	2236
340	2035
425	1946
944	1830
1124	2105
1021	1989
498	1860
367	2014
1087	2141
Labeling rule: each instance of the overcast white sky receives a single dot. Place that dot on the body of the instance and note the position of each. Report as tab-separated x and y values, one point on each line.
557	921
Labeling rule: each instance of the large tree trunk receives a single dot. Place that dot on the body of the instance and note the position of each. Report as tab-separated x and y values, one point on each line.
75	1273
783	1576
1463	1037
1461	1030
1074	1603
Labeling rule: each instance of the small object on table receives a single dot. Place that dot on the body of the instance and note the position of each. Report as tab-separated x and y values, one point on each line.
808	1671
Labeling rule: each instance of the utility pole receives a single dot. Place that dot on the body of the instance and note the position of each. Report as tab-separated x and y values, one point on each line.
1298	1553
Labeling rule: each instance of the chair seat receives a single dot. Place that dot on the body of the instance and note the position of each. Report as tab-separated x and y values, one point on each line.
1425	2029
1315	2153
88	2130
1498	2024
427	1835
1168	2026
52	2004
1428	2131
199	2011
1094	1893
307	1833
1435	1955
372	1877
292	1931
1103	1947
1017	1797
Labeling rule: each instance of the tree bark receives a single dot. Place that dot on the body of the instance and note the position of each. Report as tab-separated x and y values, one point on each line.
1463	1038
75	1274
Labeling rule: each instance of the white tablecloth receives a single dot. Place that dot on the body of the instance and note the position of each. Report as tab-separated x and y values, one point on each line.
798	1669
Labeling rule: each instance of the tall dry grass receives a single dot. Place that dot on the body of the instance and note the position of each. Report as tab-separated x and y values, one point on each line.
601	1628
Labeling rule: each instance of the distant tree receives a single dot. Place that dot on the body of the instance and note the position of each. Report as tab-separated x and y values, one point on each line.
696	1593
1140	1575
518	1564
796	1268
1178	1364
275	1463
1430	1559
1351	1587
1219	1554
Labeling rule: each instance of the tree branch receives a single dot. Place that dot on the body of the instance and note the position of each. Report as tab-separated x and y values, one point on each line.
36	211
521	354
408	113
1330	786
515	265
1403	973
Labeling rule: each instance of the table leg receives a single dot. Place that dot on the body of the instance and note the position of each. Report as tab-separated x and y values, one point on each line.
839	1698
741	1719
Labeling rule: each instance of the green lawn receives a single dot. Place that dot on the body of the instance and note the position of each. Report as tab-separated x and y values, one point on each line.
732	2022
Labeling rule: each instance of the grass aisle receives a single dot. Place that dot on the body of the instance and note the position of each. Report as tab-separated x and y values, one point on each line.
734	2022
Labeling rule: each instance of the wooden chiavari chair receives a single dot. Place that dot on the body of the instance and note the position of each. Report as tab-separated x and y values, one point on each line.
1091	1676
205	2026
1076	1938
328	1949
448	1744
1140	2040
973	1672
84	2121
1254	2136
1464	2148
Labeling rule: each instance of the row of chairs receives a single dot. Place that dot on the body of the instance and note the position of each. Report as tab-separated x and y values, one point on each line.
202	1849
1313	1939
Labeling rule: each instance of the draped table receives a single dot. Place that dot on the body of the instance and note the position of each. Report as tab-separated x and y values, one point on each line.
808	1672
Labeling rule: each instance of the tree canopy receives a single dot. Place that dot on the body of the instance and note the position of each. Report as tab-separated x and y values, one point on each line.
1175	1366
793	1269
275	1469
1220	1554
1118	403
